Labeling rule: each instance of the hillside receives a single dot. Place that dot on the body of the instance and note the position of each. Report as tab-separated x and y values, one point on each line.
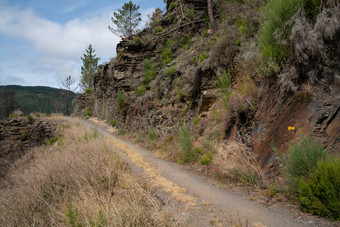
230	103
34	99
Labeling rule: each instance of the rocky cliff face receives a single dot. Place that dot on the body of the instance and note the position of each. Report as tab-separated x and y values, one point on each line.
188	59
17	136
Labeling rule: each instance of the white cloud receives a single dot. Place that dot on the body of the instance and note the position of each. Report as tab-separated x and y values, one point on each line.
56	48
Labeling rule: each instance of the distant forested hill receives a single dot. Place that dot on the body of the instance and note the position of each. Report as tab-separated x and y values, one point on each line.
33	99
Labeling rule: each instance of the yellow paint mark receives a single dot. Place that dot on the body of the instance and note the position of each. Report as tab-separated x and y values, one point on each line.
155	176
291	128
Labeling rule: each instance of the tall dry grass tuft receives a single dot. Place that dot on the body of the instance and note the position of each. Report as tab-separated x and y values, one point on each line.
78	181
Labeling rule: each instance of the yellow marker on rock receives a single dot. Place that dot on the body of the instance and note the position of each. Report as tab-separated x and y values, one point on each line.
291	128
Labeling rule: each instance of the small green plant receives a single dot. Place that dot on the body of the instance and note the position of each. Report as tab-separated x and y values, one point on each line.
37	114
207	159
113	122
171	17
149	72
86	113
190	13
185	42
203	56
303	158
92	135
88	90
24	137
120	101
73	216
198	150
11	116
243	25
30	120
172	6
166	54
320	193
52	140
121	131
140	90
196	120
187	153
170	71
158	29
152	135
137	40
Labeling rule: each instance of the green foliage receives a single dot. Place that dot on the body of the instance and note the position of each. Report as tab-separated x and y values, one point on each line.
30	120
171	17
187	153
166	54
172	6
140	90
120	100
203	56
36	99
156	17
126	19
11	115
113	122
206	159
152	135
225	82
121	131
92	135
158	29
52	140
24	137
37	114
198	150
303	158
90	64
275	29
196	120
73	216
86	113
190	13
185	42
243	25
170	71
267	68
88	90
149	72
137	40
320	193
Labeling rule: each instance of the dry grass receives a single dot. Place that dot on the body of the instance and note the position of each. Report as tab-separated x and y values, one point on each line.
78	181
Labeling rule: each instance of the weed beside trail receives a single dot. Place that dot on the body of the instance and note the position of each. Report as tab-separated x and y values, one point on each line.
78	181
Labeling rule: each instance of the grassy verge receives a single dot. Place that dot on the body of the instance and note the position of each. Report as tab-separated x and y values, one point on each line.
78	181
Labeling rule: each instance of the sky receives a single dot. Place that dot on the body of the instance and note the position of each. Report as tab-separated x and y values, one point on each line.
41	41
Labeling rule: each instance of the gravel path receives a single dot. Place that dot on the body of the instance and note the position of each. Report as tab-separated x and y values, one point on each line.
205	204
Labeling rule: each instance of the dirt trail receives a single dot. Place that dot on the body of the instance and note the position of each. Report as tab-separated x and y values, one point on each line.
205	203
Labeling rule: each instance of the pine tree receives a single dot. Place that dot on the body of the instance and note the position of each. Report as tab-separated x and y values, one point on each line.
90	63
127	20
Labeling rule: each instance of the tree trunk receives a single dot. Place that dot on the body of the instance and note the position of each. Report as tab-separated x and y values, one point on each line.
211	16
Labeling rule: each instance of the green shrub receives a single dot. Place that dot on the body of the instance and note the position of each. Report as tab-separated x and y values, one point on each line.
121	131
243	25
30	120
187	153
113	122
37	114
170	71
120	100
224	81
88	90
275	28
198	150
196	120
320	193
166	54
86	113
137	40
140	90
158	29
206	159
149	72
303	158
190	13
152	135
203	56
172	6
52	140
185	42
171	17
11	115
24	137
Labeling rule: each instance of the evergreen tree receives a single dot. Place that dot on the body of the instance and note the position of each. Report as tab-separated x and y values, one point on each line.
90	63
127	19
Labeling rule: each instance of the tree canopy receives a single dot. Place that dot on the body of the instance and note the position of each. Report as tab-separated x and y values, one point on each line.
90	64
126	19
